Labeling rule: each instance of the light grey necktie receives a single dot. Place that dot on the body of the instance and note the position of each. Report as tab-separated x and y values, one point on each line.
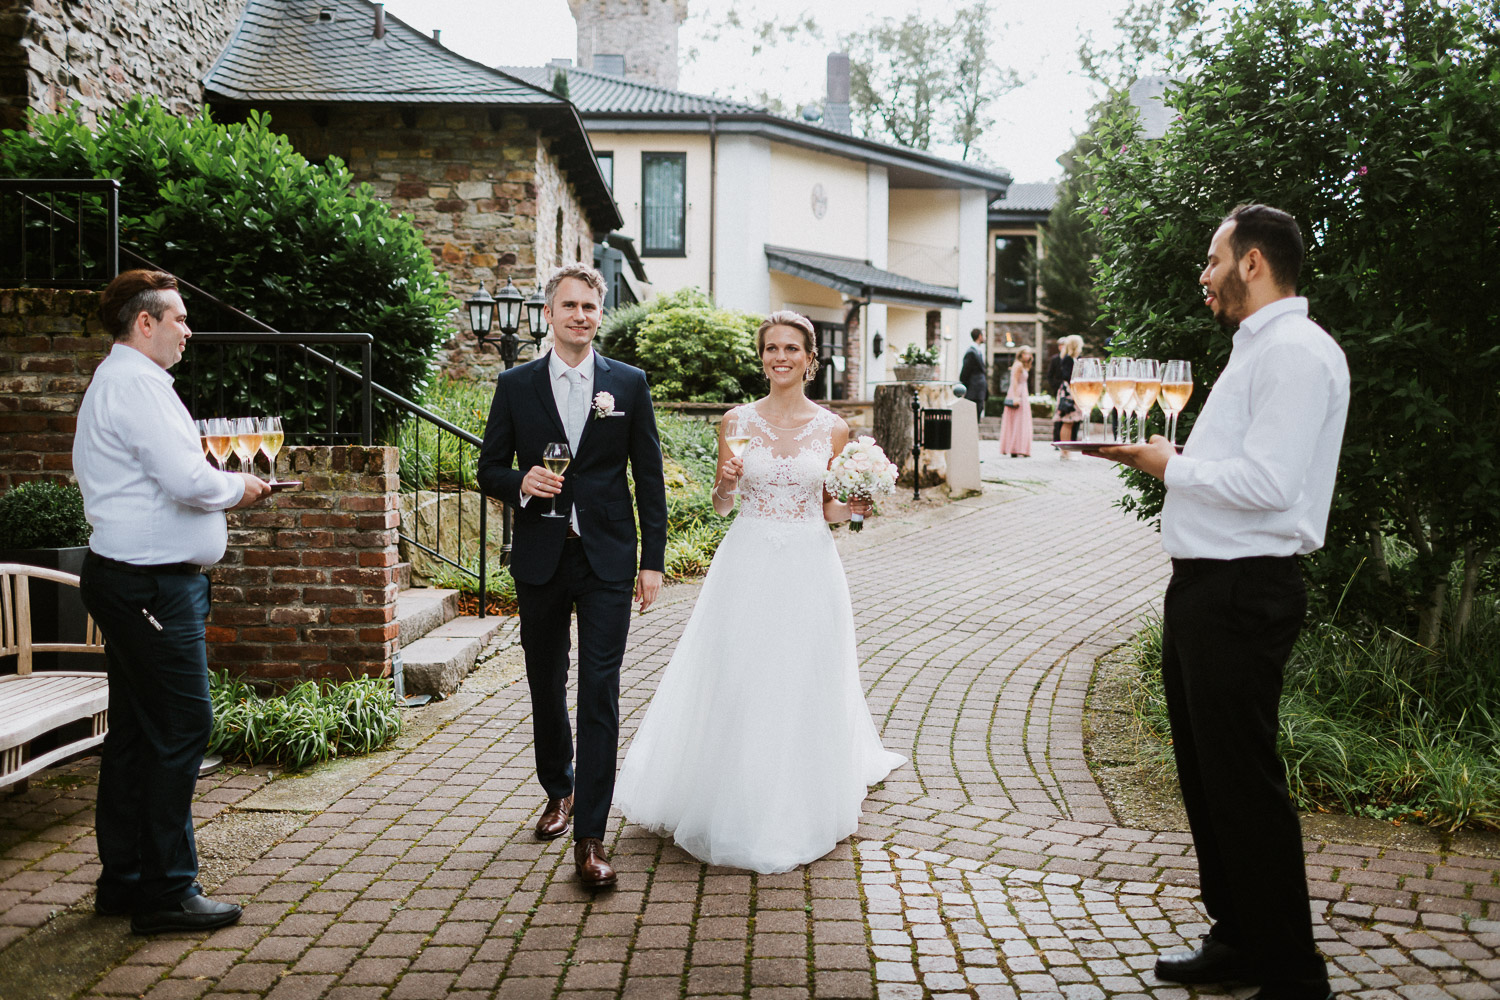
578	407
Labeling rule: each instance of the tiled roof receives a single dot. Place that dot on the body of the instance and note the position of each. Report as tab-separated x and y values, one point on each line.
860	278
1027	198
285	50
600	93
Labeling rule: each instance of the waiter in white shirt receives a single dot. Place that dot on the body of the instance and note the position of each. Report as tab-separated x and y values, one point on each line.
1249	493
157	510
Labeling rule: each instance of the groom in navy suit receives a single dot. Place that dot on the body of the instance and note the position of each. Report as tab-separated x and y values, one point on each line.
585	559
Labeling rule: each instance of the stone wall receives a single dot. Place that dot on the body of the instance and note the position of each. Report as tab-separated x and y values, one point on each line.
643	31
307	589
100	53
484	188
50	343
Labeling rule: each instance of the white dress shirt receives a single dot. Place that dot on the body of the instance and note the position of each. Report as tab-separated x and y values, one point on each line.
1256	475
557	371
148	491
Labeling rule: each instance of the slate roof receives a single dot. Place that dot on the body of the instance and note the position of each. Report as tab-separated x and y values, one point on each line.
859	278
601	93
325	52
1025	203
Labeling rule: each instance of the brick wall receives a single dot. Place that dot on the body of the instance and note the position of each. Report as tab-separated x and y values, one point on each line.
308	589
50	343
100	53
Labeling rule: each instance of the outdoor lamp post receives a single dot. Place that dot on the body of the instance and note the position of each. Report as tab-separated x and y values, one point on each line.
502	310
481	313
535	321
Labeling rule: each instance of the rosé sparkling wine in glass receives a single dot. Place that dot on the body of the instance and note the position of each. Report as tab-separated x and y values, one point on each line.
1176	389
1087	385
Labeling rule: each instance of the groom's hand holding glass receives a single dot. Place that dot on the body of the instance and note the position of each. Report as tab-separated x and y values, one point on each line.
541	483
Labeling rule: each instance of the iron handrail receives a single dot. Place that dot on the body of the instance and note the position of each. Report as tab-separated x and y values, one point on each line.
29	187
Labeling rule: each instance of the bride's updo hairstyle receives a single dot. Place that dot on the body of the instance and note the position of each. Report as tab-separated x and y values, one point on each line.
798	322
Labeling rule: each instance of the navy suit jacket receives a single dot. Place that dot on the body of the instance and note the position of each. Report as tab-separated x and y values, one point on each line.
524	418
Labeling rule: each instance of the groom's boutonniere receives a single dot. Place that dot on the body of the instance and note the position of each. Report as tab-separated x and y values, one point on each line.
604	405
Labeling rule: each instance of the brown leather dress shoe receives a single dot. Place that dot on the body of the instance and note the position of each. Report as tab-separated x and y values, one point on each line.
554	821
593	866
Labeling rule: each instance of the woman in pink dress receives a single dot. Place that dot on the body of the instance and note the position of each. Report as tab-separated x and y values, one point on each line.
1015	426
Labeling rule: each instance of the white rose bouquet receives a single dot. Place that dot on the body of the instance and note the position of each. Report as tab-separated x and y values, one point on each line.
860	471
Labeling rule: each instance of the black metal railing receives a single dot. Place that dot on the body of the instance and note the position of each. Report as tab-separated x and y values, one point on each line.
59	233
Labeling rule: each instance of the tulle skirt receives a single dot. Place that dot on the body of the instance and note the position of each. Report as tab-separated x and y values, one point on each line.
757	749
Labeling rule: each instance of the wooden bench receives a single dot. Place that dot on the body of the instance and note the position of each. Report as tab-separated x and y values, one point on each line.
48	716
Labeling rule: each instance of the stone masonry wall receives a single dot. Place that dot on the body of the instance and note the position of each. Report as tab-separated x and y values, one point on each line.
483	188
50	343
307	589
643	31
100	53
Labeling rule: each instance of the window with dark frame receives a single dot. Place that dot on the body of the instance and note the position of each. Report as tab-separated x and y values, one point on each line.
607	168
663	204
1015	274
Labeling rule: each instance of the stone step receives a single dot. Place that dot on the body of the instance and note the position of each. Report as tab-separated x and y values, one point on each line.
403	576
422	609
437	662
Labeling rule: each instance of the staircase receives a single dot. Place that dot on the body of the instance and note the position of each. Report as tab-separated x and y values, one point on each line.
438	645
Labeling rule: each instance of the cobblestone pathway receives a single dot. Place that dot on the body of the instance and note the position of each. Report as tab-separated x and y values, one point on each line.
990	866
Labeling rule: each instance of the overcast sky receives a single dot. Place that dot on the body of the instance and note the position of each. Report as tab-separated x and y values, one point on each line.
1033	125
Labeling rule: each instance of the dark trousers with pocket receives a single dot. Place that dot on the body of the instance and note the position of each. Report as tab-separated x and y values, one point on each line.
1228	628
603	624
160	719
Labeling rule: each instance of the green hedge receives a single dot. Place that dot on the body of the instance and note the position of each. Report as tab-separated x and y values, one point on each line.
43	515
689	349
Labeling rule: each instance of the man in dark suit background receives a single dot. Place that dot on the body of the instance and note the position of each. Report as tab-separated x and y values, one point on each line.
971	372
584	560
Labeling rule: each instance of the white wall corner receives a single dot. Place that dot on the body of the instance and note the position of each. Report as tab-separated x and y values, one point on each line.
973	262
743	226
878	229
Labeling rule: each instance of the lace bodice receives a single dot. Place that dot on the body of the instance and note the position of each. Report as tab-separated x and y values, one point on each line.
785	467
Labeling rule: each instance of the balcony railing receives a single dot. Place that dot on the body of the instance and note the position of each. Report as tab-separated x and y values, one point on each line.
59	233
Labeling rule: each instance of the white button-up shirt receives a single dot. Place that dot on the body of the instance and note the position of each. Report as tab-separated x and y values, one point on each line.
148	491
1256	475
557	370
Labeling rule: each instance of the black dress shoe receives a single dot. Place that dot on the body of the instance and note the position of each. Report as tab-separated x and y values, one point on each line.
193	913
1213	962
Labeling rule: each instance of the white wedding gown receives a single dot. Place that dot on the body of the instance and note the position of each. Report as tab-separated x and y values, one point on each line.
757	749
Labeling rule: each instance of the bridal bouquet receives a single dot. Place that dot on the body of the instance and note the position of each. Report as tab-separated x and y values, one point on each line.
860	471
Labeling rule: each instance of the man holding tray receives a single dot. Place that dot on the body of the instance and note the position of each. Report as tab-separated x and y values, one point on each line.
1249	493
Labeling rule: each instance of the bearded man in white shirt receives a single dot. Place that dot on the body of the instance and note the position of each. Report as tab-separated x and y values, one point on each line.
157	512
1249	493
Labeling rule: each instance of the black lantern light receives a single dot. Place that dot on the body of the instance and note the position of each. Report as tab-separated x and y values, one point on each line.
481	313
535	321
508	303
877	345
504	311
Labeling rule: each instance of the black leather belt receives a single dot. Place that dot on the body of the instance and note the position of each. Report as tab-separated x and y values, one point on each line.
157	569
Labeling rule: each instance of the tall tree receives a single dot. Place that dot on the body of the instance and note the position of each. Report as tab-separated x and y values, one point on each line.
1149	35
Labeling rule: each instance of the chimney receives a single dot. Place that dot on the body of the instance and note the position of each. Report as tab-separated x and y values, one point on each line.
379	21
836	108
437	35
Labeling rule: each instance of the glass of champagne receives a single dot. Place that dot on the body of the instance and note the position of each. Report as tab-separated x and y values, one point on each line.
1176	389
246	442
202	426
1147	385
1087	385
218	439
737	437
271	437
555	457
1119	387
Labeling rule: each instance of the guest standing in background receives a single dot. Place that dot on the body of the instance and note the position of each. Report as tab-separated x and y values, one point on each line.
1015	426
1065	415
971	374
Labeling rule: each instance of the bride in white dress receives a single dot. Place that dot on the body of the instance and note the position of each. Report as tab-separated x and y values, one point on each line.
757	749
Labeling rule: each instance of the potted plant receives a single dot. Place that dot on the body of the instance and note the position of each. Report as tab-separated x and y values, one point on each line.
42	524
917	364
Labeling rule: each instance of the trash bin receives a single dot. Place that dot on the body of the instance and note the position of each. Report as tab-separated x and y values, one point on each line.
937	430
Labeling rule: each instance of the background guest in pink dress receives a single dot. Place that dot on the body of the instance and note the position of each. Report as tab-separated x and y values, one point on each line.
1015	426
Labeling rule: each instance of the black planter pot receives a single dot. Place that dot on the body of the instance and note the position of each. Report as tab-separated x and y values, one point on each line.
57	612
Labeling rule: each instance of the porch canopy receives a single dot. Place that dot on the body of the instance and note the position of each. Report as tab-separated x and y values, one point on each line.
859	279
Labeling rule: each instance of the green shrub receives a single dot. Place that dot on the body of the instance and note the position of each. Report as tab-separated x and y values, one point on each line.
43	515
235	210
434	459
689	349
309	724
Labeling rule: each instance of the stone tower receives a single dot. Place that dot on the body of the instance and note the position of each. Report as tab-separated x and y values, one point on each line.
636	39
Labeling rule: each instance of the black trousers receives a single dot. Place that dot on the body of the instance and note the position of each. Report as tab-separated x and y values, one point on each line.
603	622
1228	628
160	719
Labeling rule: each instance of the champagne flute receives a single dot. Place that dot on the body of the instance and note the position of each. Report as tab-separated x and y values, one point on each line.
246	442
218	439
1087	385
271	438
1119	387
1147	386
1176	388
555	457
202	426
737	437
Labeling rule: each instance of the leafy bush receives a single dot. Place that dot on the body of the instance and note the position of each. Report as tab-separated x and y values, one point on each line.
43	515
1375	125
694	528
235	210
689	349
309	724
